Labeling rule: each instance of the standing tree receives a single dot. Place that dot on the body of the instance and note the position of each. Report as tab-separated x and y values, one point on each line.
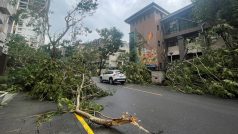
111	41
39	12
137	44
222	16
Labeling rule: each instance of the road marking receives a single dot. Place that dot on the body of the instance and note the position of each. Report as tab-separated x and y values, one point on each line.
85	125
144	91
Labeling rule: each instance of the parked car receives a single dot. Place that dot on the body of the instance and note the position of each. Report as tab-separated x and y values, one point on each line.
113	76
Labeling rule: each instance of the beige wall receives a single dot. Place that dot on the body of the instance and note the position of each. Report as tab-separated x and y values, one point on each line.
3	27
113	59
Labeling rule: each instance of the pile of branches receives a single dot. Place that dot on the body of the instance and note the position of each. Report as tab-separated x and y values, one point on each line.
137	73
71	87
214	73
66	82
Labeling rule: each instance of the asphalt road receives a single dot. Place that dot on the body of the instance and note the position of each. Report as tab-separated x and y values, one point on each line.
168	112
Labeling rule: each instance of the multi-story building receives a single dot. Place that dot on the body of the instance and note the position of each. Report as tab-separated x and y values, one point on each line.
7	9
180	35
176	34
146	24
177	28
23	28
113	60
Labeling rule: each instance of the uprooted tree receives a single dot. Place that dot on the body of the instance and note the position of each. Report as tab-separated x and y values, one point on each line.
67	82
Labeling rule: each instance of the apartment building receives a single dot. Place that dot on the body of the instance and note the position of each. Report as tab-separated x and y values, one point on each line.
176	34
178	28
35	39
180	35
7	9
146	23
113	61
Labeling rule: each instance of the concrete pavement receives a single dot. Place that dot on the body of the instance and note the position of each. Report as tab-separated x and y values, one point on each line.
18	118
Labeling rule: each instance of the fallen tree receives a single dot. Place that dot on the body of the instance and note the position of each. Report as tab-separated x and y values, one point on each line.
137	73
66	82
214	73
106	121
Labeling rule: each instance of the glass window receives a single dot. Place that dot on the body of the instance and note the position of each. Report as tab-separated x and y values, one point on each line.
158	43
110	72
157	27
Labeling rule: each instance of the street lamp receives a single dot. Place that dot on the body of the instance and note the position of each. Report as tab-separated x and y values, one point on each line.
171	57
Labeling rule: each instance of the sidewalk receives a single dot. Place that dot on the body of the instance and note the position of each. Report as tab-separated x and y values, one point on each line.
16	118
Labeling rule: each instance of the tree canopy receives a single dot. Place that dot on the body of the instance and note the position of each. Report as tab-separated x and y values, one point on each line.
217	11
110	42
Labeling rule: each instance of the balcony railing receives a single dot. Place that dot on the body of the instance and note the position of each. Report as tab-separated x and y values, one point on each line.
7	8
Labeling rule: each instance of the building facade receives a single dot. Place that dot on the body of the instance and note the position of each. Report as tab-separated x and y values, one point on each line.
113	60
179	31
22	27
145	30
176	34
7	9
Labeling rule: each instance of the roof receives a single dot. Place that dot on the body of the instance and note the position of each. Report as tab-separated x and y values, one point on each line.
145	9
177	12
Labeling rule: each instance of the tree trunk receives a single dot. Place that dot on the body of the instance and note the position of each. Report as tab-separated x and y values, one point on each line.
100	66
124	119
53	53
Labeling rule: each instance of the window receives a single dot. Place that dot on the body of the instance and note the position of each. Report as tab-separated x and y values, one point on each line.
158	43
173	26
110	72
20	23
157	27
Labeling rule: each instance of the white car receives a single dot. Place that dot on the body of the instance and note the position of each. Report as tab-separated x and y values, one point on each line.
113	76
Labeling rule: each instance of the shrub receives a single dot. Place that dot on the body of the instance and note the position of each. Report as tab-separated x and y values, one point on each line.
137	73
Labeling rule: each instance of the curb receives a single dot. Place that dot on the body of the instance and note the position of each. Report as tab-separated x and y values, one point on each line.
84	124
6	97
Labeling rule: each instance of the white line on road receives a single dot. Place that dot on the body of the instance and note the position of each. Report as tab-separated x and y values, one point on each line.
144	91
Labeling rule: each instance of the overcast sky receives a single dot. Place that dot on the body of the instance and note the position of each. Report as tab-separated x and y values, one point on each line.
109	13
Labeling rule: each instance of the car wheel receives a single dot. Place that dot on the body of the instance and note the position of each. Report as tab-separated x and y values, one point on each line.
123	82
111	81
101	80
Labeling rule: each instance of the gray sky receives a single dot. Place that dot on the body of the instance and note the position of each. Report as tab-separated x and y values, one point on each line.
109	13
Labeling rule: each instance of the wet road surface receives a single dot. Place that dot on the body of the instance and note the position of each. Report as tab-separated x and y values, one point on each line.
168	112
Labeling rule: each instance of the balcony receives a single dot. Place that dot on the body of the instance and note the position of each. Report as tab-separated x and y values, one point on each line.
182	32
174	50
7	8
